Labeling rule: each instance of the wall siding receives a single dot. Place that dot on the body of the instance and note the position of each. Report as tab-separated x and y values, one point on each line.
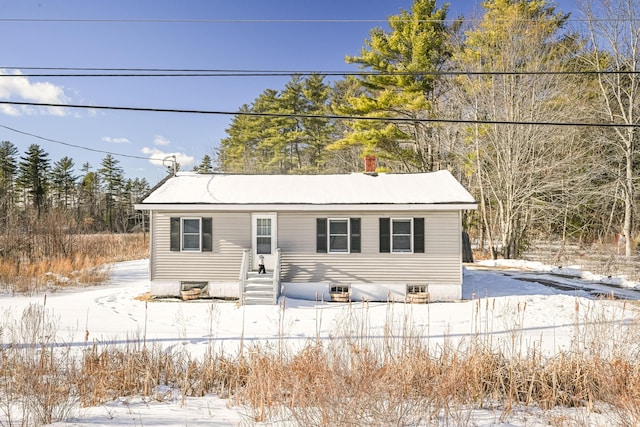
440	264
231	234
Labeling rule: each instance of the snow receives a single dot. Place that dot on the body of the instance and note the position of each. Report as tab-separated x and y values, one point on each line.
494	301
357	188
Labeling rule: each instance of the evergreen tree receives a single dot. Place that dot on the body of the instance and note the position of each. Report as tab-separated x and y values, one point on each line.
405	60
88	197
238	151
112	179
33	173
8	169
318	131
285	142
63	182
205	165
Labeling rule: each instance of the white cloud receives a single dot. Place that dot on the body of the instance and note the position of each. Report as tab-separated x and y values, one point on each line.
160	140
9	110
156	156
112	140
19	87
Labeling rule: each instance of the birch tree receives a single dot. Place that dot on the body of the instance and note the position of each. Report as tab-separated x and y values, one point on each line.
519	166
612	29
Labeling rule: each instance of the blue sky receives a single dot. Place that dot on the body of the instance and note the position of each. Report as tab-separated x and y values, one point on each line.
176	45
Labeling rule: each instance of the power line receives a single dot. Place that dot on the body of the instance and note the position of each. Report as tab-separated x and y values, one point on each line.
323	116
279	21
168	72
72	145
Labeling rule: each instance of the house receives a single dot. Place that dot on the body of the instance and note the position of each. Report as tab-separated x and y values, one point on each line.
371	236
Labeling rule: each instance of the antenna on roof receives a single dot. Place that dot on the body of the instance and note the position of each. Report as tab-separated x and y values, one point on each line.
172	166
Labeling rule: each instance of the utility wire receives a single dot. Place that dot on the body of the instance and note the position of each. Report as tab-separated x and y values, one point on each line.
276	21
73	145
167	72
324	116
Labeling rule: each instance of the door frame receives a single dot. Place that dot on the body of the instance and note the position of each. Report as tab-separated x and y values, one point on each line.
269	259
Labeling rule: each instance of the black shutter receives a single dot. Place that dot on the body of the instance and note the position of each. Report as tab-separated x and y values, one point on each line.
355	234
385	235
175	234
206	235
418	235
321	235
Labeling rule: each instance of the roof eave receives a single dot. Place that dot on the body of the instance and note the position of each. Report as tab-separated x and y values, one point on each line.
249	207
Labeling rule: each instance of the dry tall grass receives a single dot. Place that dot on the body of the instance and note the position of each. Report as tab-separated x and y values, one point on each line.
28	267
357	377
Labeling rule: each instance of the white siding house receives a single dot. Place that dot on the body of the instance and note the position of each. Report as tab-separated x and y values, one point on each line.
377	236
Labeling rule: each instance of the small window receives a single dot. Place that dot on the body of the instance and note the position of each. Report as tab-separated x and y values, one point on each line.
338	235
401	235
190	234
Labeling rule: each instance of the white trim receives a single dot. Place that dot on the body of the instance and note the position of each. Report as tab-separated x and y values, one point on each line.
348	221
269	259
303	207
411	231
182	249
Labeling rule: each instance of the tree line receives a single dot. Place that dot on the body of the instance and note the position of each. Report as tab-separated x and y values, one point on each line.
33	190
480	98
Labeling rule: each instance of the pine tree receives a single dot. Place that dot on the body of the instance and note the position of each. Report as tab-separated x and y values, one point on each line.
405	60
112	179
32	178
205	165
8	169
285	142
318	131
63	182
88	197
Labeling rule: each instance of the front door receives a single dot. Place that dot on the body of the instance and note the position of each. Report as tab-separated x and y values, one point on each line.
264	239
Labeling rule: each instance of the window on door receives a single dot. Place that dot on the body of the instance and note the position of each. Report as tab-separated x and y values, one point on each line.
263	236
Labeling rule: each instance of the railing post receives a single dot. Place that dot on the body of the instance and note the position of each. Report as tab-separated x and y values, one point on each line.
276	278
244	268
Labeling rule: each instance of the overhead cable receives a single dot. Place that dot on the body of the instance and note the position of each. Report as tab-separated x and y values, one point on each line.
281	21
408	120
168	72
73	145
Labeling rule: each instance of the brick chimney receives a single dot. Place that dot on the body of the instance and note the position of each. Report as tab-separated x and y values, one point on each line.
370	164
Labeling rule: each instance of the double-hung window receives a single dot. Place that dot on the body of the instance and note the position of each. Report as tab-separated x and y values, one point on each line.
402	235
190	234
338	235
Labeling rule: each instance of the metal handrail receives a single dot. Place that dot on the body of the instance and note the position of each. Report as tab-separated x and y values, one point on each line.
244	270
276	277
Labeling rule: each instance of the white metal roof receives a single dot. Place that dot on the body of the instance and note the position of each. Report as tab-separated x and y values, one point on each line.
193	189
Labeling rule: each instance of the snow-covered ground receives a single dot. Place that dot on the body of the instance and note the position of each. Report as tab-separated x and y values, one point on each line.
545	316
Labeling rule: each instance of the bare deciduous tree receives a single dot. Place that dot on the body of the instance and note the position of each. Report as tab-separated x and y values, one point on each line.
614	49
523	170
